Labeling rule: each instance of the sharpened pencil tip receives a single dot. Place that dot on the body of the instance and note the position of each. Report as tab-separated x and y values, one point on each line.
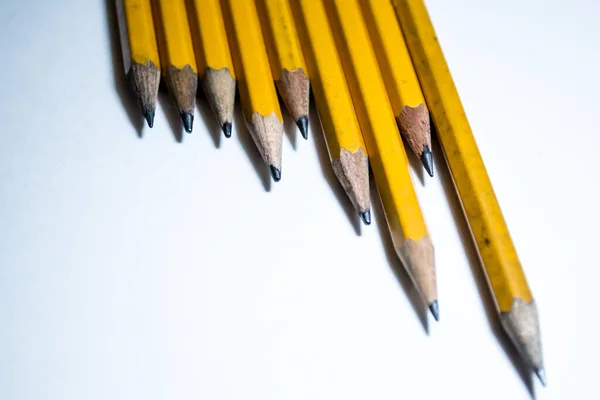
541	374
303	126
149	115
226	129
427	160
435	311
366	216
188	121
275	173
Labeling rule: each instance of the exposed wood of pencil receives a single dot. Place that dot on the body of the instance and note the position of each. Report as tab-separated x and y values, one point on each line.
219	88
177	56
213	56
400	78
285	55
352	170
140	53
294	88
386	151
266	132
257	89
414	126
332	98
183	84
500	261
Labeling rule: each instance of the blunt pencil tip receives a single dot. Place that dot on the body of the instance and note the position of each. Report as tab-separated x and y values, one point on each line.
303	126
366	216
226	129
435	311
275	173
188	121
427	160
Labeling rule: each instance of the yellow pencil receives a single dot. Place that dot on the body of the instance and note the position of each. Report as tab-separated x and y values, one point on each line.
386	151
518	312
215	66
400	78
177	56
257	90
285	55
332	97
140	53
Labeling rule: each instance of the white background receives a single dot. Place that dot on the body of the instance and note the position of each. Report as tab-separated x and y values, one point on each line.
148	267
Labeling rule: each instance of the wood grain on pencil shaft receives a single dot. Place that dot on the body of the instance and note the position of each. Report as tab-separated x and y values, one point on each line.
389	162
140	52
213	56
352	170
285	56
332	98
257	89
219	88
294	88
499	257
415	127
177	56
398	74
183	83
266	132
145	80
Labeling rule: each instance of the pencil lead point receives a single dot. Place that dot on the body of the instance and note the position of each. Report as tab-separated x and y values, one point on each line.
227	129
541	374
366	216
149	116
427	160
275	173
188	121
435	311
303	126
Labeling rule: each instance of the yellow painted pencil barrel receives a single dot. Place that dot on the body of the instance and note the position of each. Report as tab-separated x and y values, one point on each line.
213	56
334	103
141	35
214	46
386	151
140	52
177	56
285	55
257	89
498	254
331	92
466	165
256	85
400	78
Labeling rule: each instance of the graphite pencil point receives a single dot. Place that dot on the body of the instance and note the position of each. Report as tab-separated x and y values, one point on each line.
149	115
366	216
226	129
427	160
435	311
541	374
275	173
188	121
303	126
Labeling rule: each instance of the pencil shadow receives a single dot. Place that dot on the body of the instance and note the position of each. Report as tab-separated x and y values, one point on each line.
327	169
415	163
212	125
262	170
417	303
121	83
468	244
171	113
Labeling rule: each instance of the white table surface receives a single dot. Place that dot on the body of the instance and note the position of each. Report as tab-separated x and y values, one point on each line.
152	267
